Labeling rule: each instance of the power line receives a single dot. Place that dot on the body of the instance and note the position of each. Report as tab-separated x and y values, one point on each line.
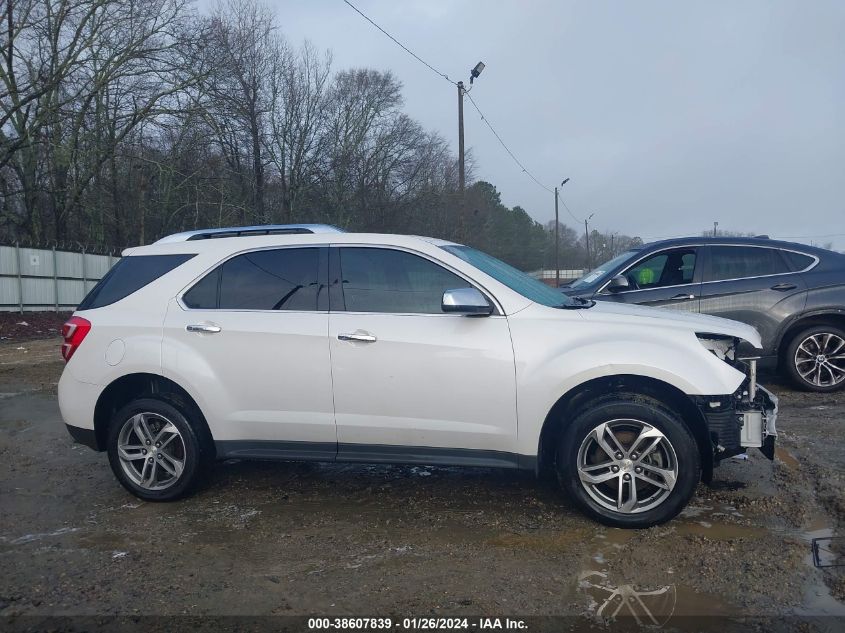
795	237
515	159
507	149
568	211
405	48
474	104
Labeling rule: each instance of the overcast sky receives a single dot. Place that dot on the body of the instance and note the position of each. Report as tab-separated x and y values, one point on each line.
667	116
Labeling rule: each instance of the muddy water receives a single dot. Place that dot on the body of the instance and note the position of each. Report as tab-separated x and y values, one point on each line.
267	538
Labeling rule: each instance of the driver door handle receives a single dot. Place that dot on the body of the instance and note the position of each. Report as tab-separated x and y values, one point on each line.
784	287
684	295
204	328
358	337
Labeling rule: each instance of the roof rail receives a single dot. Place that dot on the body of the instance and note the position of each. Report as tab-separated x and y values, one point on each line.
249	231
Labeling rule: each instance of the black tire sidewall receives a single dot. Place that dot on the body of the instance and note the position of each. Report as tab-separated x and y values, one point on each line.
789	358
194	455
651	412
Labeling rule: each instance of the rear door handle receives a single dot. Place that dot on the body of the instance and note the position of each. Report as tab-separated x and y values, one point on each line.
204	328
783	287
355	336
684	296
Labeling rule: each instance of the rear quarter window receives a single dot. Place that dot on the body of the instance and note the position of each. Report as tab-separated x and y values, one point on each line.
797	261
744	262
129	275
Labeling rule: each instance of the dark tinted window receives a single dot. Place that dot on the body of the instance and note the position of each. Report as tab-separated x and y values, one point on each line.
129	275
282	279
738	262
668	268
797	261
203	295
383	280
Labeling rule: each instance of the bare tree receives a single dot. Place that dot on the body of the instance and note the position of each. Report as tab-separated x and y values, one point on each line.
122	120
248	51
298	110
96	70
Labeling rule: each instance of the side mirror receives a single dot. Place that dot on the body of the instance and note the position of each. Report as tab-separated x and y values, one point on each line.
618	284
467	301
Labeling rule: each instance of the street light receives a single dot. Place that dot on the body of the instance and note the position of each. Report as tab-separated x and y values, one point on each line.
587	238
476	71
473	74
557	238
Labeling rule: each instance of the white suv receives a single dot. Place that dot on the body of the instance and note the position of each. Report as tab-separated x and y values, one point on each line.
308	343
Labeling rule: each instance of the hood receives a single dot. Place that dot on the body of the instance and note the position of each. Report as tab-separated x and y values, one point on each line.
622	313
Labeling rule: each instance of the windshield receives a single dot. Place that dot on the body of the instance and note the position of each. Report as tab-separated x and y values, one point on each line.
602	270
514	279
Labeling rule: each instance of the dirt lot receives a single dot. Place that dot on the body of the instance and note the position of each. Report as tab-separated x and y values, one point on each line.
306	539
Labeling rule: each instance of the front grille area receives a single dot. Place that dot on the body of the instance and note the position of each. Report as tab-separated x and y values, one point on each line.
723	425
724	430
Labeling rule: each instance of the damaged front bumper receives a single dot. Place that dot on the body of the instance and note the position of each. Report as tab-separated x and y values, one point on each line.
745	419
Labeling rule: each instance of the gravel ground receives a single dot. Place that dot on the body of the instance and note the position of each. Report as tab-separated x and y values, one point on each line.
30	325
330	539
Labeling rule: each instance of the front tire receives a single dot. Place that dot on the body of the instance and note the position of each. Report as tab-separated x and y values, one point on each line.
628	461
156	450
815	359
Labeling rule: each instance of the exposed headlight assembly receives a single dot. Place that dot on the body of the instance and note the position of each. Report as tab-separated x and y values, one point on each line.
723	347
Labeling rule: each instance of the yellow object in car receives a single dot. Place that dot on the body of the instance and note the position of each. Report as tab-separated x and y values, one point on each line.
645	277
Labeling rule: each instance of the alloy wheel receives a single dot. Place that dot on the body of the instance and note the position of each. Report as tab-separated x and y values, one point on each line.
627	466
151	451
820	359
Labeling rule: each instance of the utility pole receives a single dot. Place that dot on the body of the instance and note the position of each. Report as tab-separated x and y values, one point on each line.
715	226
587	242
557	245
587	238
557	238
473	75
461	174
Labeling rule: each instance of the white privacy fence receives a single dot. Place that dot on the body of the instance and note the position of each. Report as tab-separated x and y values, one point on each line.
37	279
548	276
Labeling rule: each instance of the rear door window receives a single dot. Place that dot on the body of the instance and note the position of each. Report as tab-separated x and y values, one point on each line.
129	275
742	262
276	279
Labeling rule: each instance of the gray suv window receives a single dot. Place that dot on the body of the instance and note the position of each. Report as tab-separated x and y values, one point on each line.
668	268
385	280
797	261
739	262
279	279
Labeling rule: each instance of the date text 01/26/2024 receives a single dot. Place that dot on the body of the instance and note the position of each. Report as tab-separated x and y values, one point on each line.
416	624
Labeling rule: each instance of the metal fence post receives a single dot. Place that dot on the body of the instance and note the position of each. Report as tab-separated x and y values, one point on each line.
55	278
20	278
84	276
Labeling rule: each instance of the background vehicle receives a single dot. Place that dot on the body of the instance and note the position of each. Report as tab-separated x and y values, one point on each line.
793	294
329	346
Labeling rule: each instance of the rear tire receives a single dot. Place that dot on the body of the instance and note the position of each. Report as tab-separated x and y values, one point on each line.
157	449
814	360
628	461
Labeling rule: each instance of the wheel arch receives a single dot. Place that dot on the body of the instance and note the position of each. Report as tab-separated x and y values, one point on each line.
834	316
129	387
568	405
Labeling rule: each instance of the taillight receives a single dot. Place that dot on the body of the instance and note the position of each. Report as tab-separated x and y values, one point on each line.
74	332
